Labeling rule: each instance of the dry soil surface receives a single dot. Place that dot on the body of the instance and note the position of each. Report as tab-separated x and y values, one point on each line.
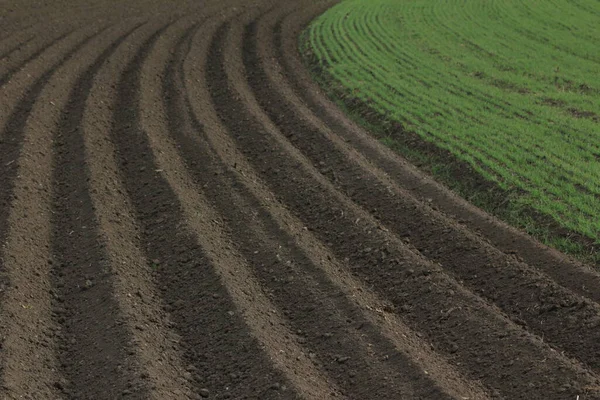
184	215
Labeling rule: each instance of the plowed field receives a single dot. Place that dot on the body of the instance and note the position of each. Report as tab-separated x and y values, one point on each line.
184	215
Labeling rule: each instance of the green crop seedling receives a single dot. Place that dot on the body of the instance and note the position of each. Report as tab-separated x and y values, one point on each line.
510	87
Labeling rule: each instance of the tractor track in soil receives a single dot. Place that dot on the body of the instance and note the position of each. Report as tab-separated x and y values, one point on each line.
183	214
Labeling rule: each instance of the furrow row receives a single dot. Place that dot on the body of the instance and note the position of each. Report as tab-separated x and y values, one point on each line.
581	279
81	317
28	331
192	249
340	224
22	93
185	215
26	54
527	296
8	50
84	303
292	261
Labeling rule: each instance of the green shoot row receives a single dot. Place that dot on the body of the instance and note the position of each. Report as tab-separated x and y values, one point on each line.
511	87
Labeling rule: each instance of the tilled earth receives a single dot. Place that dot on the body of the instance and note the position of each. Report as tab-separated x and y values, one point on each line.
184	215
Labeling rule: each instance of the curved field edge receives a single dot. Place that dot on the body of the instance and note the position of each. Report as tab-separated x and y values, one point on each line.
463	175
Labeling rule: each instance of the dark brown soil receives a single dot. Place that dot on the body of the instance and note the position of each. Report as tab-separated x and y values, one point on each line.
184	215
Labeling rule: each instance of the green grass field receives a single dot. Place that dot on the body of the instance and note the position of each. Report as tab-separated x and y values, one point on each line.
511	87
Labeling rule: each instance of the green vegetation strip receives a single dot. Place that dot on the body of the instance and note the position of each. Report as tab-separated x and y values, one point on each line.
509	87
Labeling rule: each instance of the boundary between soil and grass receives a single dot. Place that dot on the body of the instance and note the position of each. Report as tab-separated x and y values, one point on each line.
457	175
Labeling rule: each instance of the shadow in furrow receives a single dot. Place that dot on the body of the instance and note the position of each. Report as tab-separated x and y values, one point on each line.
11	142
6	77
286	272
94	342
11	139
15	48
222	355
569	273
458	324
523	293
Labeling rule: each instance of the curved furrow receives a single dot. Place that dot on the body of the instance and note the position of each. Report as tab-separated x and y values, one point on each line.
10	25
9	67
351	233
155	344
582	279
284	267
271	331
343	343
184	214
97	342
213	297
293	262
15	118
24	81
522	292
7	51
29	334
298	77
7	44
